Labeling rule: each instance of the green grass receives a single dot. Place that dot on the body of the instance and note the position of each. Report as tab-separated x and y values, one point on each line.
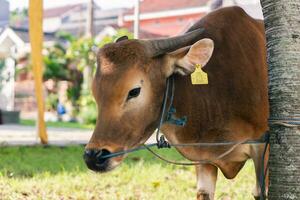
28	122
60	173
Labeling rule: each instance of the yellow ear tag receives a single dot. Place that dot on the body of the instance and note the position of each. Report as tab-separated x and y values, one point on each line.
199	76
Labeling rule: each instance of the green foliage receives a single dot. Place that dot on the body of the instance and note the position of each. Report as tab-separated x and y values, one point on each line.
80	52
65	36
88	109
59	67
51	101
73	93
56	64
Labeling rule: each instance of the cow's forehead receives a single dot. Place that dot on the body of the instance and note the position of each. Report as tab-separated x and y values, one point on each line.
119	56
105	66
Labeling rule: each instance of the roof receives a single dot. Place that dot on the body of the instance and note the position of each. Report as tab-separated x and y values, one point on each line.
143	34
80	30
23	34
147	6
167	29
59	11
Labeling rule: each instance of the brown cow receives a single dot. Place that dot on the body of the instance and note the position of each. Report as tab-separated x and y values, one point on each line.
130	82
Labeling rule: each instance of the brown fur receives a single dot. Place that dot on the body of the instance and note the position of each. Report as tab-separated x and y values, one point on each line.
234	105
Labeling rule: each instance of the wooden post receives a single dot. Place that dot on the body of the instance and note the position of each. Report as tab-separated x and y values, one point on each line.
283	44
36	41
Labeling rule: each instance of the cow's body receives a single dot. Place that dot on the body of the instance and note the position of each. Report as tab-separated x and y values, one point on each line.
233	106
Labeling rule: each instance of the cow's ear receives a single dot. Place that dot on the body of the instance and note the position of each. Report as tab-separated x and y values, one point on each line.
185	59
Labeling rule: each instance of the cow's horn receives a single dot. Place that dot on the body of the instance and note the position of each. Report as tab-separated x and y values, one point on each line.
161	46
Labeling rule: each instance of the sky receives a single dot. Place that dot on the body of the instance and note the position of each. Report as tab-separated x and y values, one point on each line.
105	4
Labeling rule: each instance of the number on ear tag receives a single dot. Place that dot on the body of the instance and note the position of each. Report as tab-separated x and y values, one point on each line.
199	76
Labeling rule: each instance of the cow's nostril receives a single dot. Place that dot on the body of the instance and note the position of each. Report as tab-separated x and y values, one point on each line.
101	155
90	154
95	159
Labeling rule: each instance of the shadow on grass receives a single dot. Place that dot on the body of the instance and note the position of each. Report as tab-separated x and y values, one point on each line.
23	161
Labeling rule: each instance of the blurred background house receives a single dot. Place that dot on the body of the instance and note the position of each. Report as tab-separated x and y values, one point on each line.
4	13
167	18
69	58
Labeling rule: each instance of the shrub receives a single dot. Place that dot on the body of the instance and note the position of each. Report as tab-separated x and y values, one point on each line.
88	109
51	101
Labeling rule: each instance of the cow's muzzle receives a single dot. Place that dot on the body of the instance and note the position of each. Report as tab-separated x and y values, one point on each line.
95	161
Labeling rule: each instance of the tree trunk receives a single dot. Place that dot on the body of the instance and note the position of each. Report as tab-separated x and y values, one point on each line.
36	42
282	23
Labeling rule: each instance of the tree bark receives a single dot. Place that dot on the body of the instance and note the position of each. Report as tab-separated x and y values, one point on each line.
282	23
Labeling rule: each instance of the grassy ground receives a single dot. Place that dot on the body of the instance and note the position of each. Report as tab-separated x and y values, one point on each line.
59	173
28	122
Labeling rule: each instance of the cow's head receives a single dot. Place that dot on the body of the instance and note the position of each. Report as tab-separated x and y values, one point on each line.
129	87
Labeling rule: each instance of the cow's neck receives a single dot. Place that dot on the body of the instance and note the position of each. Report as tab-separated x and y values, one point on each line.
194	102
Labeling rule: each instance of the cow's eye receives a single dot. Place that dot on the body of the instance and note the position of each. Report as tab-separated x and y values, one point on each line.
133	93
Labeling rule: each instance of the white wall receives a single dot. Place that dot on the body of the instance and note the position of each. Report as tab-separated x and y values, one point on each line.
51	24
7	92
252	7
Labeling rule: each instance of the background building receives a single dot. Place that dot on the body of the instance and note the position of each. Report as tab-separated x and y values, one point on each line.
4	13
167	18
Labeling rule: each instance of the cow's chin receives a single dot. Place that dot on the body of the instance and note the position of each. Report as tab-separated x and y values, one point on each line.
113	164
109	166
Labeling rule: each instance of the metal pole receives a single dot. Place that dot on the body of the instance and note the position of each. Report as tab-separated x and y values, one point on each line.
88	71
36	41
136	19
89	19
